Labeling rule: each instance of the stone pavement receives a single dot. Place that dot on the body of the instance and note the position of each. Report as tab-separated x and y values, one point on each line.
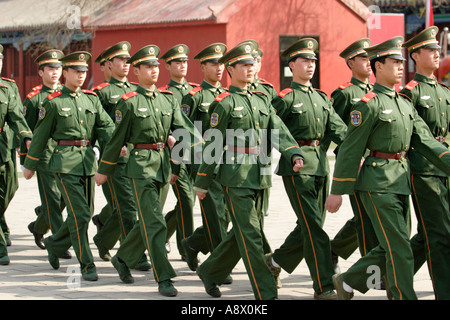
29	276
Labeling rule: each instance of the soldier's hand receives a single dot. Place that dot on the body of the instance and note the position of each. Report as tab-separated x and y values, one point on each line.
298	165
333	203
171	142
27	173
100	178
28	143
123	151
201	195
173	178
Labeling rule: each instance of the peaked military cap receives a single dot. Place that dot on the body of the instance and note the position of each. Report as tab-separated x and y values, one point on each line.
121	49
178	53
101	57
145	55
1	51
304	48
391	47
425	39
357	48
211	53
76	60
50	58
242	53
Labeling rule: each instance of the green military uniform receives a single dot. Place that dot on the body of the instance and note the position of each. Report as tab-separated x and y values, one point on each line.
72	119
181	218
144	119
214	215
385	123
9	113
52	204
430	186
117	189
308	114
357	232
245	175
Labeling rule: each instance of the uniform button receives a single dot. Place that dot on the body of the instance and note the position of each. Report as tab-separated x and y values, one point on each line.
403	114
318	135
254	108
136	153
79	109
440	99
374	164
232	158
257	124
315	104
81	121
159	123
443	114
390	120
240	116
318	119
156	109
443	129
162	137
406	129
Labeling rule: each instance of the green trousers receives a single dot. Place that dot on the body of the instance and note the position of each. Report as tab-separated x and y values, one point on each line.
3	195
150	233
52	203
393	256
12	184
244	241
181	218
307	195
432	242
78	194
124	214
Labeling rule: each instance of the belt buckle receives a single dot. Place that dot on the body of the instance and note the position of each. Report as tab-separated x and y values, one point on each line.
315	143
440	139
402	155
160	145
83	143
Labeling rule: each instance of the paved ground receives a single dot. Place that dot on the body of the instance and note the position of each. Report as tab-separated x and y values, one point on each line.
29	275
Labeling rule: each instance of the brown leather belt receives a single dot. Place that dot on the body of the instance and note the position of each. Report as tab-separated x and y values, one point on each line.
313	143
1	130
154	146
385	155
249	150
440	139
78	143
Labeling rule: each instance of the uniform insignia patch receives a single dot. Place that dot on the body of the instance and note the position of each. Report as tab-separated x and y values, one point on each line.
118	116
214	119
238	108
41	113
298	105
425	97
356	118
115	96
185	108
65	109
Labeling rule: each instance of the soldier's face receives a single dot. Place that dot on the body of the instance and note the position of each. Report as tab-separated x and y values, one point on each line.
178	68
303	69
391	70
50	75
118	67
213	72
74	78
1	64
242	73
361	66
427	58
147	74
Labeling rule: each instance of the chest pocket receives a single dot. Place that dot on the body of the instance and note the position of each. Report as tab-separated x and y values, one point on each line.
66	117
144	119
300	116
388	125
204	107
166	118
3	109
91	114
240	118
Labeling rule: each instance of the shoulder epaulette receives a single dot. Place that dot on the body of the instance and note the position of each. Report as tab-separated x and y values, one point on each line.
256	91
194	84
39	87
262	81
135	83
369	96
195	90
443	84
7	79
88	92
102	85
345	85
33	93
411	85
54	95
284	92
321	91
4	86
221	96
405	96
128	95
165	91
163	87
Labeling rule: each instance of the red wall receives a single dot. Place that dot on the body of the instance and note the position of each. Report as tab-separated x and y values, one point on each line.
196	37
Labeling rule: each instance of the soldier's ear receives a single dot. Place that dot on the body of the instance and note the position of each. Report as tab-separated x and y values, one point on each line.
136	71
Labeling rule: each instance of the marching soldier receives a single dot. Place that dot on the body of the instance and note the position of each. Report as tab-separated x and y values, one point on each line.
430	186
12	114
196	105
118	191
357	231
243	172
52	204
308	114
387	124
144	119
181	217
72	117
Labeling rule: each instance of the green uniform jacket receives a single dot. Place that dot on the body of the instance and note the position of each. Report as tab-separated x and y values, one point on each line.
69	115
145	116
31	105
179	89
264	86
249	112
110	94
383	121
432	102
308	114
11	114
9	138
